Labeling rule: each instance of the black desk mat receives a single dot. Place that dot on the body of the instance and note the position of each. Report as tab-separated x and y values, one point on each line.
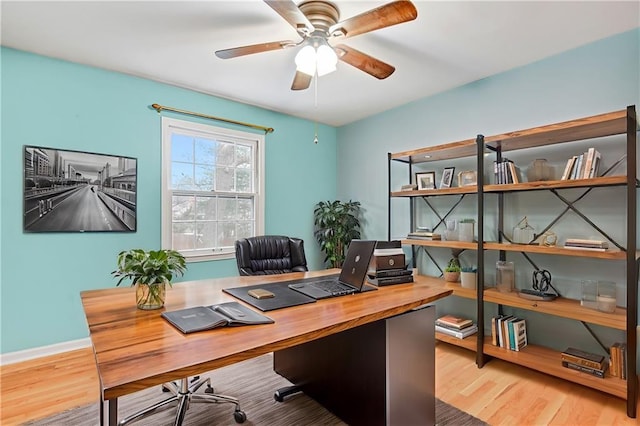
284	296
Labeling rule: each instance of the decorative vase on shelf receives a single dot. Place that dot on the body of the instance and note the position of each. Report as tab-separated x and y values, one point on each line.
538	170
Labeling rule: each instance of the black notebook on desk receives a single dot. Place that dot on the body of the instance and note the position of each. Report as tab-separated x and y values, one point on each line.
201	318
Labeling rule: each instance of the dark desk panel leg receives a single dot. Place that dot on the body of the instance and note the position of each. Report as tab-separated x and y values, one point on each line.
376	374
113	411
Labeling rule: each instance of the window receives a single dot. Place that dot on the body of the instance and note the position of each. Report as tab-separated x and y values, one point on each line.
212	188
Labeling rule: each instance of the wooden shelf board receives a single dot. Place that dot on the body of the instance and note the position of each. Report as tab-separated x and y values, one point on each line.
441	243
558	184
530	248
608	124
560	307
548	361
469	342
471	189
461	149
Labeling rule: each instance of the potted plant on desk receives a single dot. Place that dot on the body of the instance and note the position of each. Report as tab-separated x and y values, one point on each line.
150	272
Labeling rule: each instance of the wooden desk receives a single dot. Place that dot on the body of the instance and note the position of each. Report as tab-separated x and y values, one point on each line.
137	349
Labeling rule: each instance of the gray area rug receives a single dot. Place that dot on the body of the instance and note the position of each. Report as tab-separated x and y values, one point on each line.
254	382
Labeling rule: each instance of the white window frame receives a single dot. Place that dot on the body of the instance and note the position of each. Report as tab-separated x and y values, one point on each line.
171	125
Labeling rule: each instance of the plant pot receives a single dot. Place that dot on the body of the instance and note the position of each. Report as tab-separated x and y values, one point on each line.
468	279
452	277
150	296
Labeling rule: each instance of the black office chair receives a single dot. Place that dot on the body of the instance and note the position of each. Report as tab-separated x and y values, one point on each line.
184	394
270	254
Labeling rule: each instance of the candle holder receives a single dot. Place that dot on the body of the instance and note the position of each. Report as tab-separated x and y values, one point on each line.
606	296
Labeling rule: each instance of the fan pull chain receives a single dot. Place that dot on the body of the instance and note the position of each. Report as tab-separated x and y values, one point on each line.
315	104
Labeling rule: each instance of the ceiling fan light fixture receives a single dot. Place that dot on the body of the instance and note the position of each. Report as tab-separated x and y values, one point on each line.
306	60
327	60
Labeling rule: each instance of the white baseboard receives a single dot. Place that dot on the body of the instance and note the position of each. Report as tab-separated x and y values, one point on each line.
27	354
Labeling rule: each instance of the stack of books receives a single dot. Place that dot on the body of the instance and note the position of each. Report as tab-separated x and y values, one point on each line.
618	360
505	172
424	235
456	326
509	332
583	166
578	244
388	265
583	361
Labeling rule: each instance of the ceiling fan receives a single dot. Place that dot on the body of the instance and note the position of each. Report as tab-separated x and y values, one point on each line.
318	23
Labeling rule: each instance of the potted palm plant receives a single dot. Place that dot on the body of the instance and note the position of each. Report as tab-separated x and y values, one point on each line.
150	272
336	223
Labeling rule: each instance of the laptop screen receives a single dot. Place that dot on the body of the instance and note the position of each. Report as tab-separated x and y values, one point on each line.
356	263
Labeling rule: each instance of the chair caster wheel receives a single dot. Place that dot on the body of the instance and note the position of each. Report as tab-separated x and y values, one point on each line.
278	397
239	416
209	389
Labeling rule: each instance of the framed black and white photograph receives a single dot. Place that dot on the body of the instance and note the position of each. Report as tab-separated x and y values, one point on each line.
77	191
467	178
426	180
447	177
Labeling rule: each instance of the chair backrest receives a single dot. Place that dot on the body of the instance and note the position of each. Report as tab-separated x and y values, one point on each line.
270	254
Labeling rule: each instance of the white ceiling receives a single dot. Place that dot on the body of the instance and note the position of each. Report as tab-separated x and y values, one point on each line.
450	43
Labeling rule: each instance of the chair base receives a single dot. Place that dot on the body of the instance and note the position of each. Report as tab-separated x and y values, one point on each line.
282	393
184	395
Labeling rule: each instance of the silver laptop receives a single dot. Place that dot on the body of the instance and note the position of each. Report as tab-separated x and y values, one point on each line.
352	277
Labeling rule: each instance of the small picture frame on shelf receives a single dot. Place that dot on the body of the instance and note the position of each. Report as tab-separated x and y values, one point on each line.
467	178
447	177
426	180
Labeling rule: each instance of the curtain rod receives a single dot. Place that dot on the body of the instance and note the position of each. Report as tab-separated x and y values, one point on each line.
159	108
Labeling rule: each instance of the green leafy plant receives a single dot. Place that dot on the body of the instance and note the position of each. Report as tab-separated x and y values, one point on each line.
453	265
336	223
149	268
468	269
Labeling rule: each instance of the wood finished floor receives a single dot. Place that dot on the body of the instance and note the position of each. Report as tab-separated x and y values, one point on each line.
500	393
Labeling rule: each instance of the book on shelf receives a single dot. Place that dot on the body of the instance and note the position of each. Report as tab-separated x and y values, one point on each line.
592	371
424	236
454	322
618	360
585	248
466	332
569	168
576	243
583	166
583	361
202	318
509	332
589	356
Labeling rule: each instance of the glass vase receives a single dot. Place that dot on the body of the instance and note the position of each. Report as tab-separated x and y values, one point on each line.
150	296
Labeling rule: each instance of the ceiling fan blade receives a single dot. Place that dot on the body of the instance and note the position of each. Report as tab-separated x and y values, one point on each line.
254	48
364	62
301	81
387	15
292	14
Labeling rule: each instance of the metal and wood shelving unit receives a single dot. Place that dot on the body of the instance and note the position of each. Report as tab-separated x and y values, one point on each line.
546	360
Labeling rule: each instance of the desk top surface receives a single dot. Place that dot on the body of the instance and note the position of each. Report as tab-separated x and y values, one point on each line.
136	349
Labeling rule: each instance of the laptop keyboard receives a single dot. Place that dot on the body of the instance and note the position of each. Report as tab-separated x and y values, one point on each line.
332	287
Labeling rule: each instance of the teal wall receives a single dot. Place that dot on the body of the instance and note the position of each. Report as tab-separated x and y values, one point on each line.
59	104
601	77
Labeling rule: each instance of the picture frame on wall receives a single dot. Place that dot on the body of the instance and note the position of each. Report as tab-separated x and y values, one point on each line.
78	191
426	180
447	177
